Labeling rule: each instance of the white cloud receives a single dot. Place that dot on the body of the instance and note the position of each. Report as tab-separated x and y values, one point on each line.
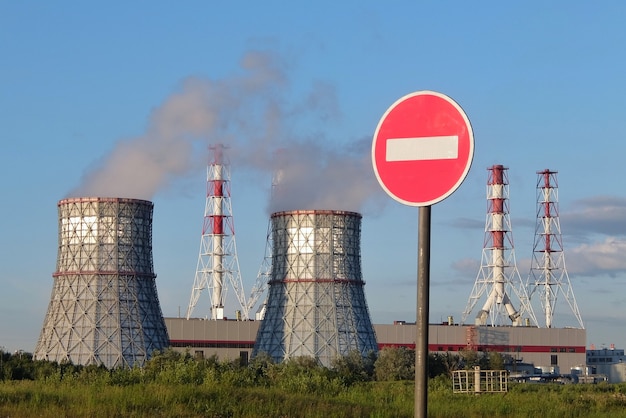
597	258
467	266
605	215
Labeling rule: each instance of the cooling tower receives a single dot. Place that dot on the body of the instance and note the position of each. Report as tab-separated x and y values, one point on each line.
316	305
104	307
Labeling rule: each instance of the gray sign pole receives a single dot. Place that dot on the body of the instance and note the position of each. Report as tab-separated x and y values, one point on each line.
420	135
423	293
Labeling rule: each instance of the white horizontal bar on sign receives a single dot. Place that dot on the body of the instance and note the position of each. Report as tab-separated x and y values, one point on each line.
423	148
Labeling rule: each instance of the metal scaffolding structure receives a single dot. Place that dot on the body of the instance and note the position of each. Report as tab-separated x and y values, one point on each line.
548	274
218	264
262	278
498	277
265	270
104	308
316	303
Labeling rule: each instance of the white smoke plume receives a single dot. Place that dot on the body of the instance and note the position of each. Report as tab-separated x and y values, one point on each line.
254	116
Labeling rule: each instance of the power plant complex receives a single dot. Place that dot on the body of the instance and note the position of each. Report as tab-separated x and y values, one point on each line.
104	307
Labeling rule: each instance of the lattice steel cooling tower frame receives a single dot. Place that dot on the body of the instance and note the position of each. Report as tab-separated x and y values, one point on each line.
316	303
104	308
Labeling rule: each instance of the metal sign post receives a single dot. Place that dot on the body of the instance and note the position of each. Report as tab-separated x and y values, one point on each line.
422	151
423	300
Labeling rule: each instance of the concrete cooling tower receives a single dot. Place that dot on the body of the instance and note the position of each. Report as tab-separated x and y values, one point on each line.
104	307
316	305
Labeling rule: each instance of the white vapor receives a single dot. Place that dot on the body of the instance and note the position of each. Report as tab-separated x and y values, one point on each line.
250	114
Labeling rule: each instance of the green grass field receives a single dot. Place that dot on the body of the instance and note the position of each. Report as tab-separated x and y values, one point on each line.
176	385
367	399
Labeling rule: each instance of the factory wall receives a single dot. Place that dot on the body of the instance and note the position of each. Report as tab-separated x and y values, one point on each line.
553	348
228	340
558	349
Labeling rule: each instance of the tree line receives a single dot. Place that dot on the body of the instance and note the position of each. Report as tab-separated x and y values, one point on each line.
300	373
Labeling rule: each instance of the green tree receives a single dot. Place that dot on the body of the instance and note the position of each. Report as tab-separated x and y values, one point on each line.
448	362
259	367
496	360
469	358
19	366
353	367
395	363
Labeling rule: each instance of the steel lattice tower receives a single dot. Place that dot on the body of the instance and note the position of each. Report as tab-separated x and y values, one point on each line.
265	271
316	304
498	277
104	307
218	264
263	277
548	273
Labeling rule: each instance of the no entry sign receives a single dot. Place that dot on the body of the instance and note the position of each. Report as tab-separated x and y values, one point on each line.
423	148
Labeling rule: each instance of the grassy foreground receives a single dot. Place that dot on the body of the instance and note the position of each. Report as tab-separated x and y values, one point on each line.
173	384
27	398
369	399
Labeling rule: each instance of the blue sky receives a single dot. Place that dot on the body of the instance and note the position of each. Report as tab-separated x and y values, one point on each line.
82	84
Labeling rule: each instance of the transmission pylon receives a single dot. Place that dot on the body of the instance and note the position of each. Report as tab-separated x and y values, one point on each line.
218	264
548	274
498	277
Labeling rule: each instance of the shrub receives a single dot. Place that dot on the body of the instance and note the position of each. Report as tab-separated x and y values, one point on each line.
395	363
353	367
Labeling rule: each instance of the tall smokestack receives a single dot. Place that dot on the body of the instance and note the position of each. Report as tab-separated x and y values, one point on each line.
548	274
218	264
498	277
316	305
104	308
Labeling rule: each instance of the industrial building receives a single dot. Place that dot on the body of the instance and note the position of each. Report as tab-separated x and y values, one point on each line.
552	348
608	363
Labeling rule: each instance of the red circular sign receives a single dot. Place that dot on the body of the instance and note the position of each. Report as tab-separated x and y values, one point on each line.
423	148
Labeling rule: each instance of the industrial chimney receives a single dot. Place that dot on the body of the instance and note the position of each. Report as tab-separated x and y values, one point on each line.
316	305
548	274
498	277
104	307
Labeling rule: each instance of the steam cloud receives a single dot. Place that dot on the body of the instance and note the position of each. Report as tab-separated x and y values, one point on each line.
252	115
